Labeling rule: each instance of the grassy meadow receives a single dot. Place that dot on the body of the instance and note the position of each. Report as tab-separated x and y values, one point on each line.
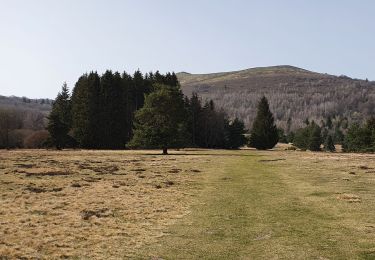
192	204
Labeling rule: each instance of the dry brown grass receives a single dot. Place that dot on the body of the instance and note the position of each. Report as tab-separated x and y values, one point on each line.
244	204
91	204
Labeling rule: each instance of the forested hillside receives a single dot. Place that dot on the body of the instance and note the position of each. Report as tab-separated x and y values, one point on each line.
23	121
42	105
294	94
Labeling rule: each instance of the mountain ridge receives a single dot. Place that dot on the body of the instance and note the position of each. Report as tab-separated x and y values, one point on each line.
292	92
183	75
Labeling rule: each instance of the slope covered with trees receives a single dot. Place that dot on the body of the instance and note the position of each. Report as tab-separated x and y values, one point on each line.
23	121
294	94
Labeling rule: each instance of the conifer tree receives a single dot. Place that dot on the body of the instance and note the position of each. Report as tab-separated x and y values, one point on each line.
86	111
338	136
264	133
370	125
127	85
139	90
282	137
58	131
301	138
62	104
309	137
59	120
195	110
113	111
161	121
360	138
329	145
290	137
235	131
329	123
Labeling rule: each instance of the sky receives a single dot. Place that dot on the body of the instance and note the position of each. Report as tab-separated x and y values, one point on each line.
44	43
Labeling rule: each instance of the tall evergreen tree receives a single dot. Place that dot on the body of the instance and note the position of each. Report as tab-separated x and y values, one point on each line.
79	111
59	120
86	111
161	122
301	138
127	85
139	90
114	111
329	145
264	133
315	138
211	130
235	131
62	104
58	131
195	111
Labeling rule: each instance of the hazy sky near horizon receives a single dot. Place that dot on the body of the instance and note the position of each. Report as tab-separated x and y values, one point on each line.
46	42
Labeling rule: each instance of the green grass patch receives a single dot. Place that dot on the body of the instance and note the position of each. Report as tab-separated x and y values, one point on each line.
249	209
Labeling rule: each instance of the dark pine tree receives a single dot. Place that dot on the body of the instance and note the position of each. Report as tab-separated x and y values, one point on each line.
360	138
139	89
160	124
235	131
315	138
329	123
211	129
114	111
86	111
282	137
264	134
58	131
301	138
195	111
127	85
59	120
329	145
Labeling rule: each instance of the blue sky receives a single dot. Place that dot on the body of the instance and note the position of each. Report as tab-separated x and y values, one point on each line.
44	43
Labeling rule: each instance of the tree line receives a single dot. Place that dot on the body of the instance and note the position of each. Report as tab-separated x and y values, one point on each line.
316	137
118	111
115	111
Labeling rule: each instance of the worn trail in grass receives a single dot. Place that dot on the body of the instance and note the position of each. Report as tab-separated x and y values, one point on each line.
255	207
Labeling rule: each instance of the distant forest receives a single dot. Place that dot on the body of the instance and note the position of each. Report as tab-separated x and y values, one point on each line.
23	121
294	95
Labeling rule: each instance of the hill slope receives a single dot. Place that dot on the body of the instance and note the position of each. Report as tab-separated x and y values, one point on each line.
22	103
293	93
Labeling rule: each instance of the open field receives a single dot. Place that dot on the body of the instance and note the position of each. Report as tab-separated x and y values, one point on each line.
90	204
194	204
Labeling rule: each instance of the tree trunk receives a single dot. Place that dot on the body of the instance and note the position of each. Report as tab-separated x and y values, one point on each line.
165	150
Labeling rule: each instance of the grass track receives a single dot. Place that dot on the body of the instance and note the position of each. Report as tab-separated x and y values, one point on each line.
250	209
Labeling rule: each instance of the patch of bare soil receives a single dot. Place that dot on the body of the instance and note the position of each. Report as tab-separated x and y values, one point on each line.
349	198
